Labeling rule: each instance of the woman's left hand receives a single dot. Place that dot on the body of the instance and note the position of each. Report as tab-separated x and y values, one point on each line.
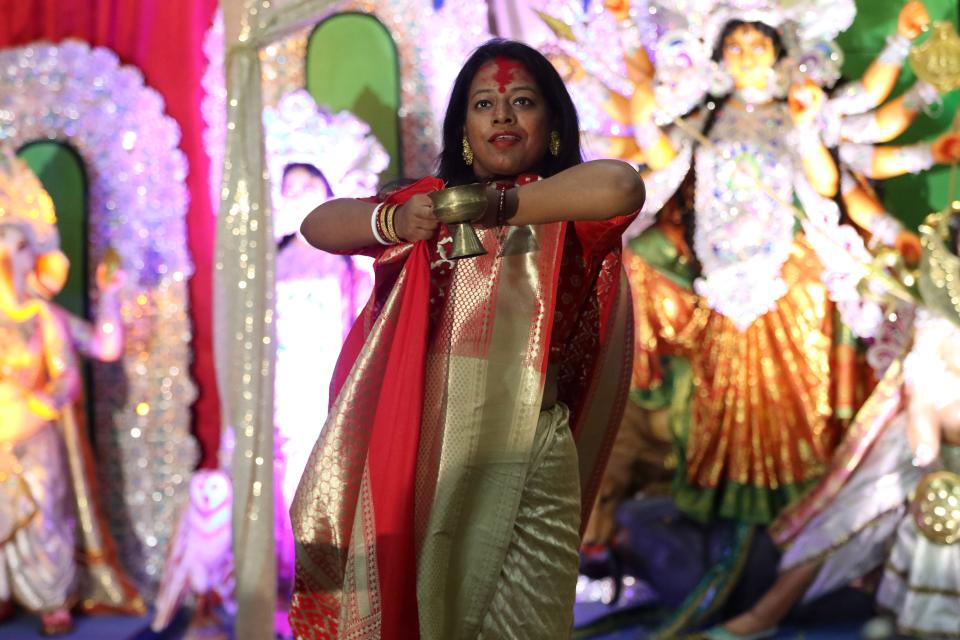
805	100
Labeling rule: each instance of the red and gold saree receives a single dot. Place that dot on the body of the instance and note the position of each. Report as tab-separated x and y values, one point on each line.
405	513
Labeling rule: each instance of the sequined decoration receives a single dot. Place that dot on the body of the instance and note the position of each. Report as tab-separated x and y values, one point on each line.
595	47
743	237
283	66
213	105
83	97
430	53
431	50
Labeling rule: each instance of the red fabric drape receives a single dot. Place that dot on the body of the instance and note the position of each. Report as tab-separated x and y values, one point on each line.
164	39
392	456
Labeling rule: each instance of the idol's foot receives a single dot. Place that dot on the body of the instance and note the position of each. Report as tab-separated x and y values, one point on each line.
206	623
746	626
56	623
721	633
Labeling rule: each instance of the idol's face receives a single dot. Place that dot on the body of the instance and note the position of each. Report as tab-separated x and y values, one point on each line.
749	55
16	254
508	120
300	183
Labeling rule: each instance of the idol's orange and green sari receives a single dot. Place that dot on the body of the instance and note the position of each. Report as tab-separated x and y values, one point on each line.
757	411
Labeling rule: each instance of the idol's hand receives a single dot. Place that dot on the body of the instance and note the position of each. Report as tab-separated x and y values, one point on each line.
913	19
907	244
642	103
619	9
414	220
110	279
923	426
946	148
639	66
805	101
930	424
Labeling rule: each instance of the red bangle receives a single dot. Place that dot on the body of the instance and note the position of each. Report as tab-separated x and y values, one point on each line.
503	214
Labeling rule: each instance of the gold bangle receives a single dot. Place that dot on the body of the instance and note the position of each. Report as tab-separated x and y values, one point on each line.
382	222
390	227
393	225
386	224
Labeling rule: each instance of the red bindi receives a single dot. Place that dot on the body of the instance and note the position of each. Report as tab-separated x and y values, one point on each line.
506	69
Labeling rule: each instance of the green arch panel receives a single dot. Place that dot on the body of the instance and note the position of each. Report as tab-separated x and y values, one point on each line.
909	197
352	64
61	172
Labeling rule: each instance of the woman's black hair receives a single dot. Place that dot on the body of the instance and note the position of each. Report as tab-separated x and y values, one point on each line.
451	166
765	29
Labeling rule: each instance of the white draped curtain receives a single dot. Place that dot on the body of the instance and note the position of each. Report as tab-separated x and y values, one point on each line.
244	302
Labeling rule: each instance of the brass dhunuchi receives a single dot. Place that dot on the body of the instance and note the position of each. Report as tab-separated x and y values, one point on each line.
458	207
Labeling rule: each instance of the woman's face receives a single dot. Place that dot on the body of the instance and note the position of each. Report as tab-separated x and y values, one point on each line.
508	121
748	55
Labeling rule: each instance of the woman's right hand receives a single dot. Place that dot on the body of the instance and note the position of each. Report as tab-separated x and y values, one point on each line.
414	220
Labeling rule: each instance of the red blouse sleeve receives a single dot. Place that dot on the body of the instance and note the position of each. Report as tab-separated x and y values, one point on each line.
599	237
586	246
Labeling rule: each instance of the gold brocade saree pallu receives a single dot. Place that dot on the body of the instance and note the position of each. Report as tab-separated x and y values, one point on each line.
483	383
485	379
760	424
336	590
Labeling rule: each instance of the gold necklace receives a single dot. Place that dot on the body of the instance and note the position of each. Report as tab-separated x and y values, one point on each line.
23	312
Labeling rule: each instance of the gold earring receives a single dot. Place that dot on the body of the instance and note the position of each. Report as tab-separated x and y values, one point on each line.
467	151
554	143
